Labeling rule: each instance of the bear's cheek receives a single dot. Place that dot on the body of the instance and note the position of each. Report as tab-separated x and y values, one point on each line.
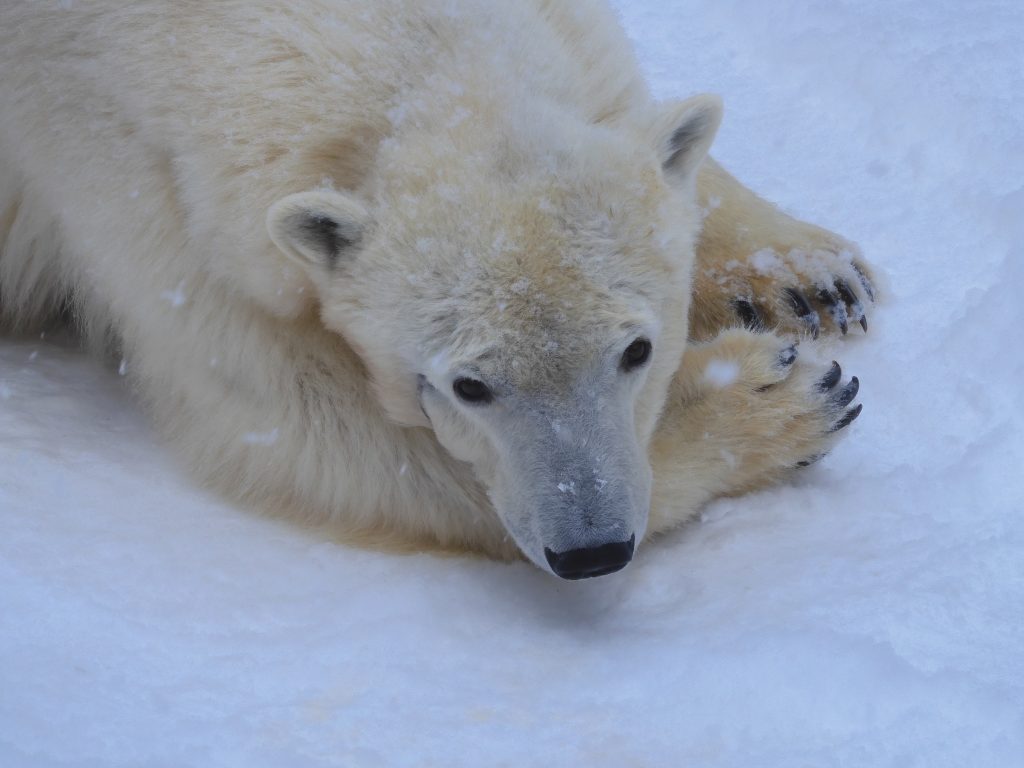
466	443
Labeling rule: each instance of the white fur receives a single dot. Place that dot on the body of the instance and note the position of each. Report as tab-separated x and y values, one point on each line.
503	167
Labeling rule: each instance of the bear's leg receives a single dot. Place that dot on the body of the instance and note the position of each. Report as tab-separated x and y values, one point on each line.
758	266
744	411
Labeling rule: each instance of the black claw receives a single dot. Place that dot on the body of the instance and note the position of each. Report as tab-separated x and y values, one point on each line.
848	418
815	323
788	356
838	311
854	304
846	294
798	302
831	378
839	316
845	396
749	314
802	309
869	289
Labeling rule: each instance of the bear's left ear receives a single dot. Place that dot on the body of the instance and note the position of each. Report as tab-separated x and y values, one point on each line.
684	132
319	228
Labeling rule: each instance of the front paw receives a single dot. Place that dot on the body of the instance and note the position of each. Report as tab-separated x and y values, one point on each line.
807	283
771	408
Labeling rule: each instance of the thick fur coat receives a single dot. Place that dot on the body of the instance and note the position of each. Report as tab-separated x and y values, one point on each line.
303	224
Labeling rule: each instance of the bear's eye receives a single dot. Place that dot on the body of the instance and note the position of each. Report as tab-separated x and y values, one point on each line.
636	354
472	391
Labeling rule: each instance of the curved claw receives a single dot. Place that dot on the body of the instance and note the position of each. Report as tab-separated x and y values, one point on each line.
845	396
856	309
830	379
749	314
868	286
798	302
802	309
848	418
814	324
835	308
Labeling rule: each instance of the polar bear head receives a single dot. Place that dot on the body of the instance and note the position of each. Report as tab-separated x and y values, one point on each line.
524	294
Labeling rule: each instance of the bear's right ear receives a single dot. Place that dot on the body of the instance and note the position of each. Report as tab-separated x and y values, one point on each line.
684	132
317	228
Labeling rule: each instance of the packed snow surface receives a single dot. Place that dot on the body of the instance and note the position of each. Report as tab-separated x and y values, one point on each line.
871	613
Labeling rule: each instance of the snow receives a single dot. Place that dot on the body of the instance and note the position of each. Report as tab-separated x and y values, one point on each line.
871	613
721	373
767	262
177	297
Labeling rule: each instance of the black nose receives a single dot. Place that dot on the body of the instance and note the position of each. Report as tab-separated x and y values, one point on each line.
591	561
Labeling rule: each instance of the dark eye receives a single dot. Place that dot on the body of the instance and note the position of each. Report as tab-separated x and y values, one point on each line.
636	354
472	391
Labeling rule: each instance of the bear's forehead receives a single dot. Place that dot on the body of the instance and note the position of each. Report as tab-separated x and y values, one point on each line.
543	294
483	201
540	246
535	331
552	293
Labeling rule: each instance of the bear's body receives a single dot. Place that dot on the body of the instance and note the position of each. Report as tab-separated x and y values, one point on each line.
142	146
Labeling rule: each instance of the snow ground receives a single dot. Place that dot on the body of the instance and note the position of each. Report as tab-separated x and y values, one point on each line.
871	614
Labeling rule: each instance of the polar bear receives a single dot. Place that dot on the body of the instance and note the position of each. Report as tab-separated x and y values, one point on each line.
421	272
